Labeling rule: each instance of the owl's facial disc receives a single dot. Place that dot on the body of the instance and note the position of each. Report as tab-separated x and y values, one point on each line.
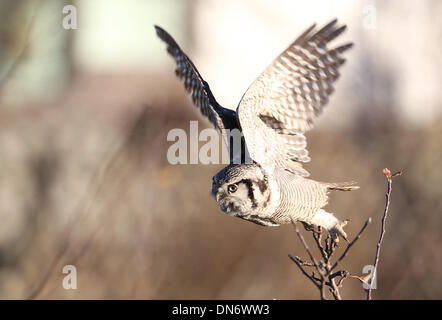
231	197
240	189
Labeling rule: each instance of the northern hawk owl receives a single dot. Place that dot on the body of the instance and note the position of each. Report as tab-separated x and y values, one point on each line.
273	116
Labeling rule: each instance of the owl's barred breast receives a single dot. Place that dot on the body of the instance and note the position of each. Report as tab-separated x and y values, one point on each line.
300	198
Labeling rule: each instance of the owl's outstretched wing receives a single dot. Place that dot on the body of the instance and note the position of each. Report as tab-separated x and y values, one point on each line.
202	97
281	104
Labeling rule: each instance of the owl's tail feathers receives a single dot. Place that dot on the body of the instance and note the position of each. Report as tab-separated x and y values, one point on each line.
343	186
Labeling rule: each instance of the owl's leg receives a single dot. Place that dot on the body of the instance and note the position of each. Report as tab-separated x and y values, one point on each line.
328	221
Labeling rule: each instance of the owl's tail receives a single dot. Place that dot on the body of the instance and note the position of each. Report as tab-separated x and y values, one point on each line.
343	186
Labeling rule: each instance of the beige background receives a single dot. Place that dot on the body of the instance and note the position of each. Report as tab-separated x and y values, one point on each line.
84	178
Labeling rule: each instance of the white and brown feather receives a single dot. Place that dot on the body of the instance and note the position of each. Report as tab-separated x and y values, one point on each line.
282	103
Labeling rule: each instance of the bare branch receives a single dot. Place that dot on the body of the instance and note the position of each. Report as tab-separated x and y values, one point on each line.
318	239
297	262
323	267
312	258
325	277
389	177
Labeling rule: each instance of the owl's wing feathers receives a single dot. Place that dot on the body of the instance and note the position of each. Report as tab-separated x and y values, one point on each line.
281	104
202	97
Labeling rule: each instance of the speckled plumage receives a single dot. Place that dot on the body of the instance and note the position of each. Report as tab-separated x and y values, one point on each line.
273	116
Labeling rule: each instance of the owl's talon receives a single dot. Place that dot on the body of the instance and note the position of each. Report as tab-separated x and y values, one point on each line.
338	230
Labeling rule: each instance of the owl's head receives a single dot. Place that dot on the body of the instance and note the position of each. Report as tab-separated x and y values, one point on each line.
241	189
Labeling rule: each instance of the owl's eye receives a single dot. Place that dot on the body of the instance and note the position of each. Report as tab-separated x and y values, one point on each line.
232	188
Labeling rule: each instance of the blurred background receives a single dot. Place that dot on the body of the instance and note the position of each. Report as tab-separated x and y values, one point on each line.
84	179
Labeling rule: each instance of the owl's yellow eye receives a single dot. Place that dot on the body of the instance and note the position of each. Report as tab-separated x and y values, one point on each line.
232	188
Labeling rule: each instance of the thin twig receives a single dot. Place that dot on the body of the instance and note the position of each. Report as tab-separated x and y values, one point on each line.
303	271
344	254
318	239
389	177
319	268
312	258
304	263
344	275
335	290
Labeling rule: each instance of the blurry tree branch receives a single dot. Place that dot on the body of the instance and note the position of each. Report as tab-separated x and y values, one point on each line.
112	163
24	49
389	177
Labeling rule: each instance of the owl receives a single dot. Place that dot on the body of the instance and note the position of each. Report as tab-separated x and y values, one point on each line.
274	114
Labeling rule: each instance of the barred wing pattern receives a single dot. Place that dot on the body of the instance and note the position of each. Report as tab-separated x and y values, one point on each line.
281	104
202	97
